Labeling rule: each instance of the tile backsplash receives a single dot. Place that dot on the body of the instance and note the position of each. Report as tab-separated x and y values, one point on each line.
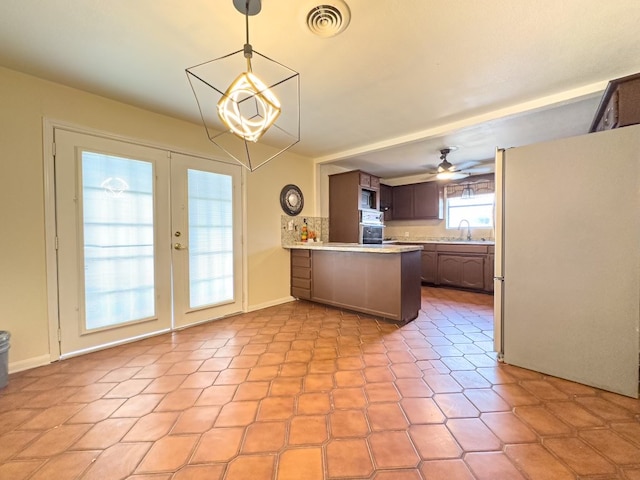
291	228
432	230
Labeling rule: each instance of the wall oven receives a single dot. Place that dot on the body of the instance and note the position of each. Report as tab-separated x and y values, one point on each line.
371	227
371	234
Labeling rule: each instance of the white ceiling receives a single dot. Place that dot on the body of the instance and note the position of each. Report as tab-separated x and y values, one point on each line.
406	78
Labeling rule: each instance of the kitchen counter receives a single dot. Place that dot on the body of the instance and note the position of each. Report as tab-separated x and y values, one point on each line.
356	247
453	242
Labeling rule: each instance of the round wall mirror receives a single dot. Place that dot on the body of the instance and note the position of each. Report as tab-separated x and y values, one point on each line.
291	200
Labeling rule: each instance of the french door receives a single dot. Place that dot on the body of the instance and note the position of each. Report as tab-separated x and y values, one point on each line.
206	260
147	240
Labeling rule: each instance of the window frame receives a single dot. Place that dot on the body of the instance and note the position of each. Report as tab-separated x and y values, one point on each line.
470	219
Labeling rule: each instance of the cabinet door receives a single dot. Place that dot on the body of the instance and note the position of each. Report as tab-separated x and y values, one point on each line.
365	179
429	266
427	200
344	207
385	201
461	271
402	200
450	270
473	272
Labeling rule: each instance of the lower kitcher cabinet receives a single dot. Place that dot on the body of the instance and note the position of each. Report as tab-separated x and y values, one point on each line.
461	271
301	274
429	267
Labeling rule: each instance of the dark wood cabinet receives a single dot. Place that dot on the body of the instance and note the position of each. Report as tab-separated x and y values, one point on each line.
337	278
402	202
301	274
427	200
620	104
345	202
461	271
458	265
418	201
365	179
429	264
386	201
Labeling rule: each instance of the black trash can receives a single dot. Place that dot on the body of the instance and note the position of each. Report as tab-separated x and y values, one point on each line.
4	358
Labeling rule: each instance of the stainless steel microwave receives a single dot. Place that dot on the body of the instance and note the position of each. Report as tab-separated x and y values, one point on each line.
368	199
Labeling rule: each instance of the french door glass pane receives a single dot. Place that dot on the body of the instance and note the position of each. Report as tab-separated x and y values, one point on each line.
118	227
210	238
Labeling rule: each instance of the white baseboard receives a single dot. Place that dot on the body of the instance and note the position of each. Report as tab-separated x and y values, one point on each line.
272	303
29	363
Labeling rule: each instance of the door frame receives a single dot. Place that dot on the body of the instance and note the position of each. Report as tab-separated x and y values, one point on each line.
51	264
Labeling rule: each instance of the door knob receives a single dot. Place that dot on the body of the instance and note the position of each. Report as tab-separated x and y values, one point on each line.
179	246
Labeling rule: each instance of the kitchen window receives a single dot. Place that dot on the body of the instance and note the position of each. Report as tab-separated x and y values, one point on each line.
470	201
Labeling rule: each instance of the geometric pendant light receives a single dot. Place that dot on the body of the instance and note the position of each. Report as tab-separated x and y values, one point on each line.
249	103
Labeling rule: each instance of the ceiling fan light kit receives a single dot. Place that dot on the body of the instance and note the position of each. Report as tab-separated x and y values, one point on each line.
445	170
248	102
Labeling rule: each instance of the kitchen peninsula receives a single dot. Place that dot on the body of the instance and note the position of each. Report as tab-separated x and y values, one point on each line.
380	280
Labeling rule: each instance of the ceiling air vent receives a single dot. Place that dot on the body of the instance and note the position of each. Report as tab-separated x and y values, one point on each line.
328	19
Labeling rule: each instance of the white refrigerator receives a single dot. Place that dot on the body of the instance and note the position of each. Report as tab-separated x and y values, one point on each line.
567	273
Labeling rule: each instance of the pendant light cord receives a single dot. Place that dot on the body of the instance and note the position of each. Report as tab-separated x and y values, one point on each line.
248	51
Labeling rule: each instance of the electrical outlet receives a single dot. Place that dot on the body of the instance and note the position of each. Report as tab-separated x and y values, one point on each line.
290	226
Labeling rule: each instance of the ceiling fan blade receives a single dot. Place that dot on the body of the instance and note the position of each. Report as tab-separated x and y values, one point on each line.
458	174
480	170
467	165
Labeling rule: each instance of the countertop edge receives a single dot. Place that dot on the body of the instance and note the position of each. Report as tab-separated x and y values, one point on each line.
441	242
382	248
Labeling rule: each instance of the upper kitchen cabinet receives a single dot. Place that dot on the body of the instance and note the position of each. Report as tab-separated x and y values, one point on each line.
418	201
620	104
369	181
386	201
428	201
350	192
402	201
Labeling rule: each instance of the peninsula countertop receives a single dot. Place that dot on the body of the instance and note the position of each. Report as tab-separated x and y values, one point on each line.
354	247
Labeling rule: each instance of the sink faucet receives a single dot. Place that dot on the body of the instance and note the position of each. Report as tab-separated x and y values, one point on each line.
468	228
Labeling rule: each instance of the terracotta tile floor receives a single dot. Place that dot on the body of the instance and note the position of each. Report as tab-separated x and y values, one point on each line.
305	392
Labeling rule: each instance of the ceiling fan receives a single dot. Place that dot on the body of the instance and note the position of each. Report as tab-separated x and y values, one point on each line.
447	171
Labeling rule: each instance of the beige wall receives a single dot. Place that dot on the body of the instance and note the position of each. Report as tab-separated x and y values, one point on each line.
267	262
25	101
